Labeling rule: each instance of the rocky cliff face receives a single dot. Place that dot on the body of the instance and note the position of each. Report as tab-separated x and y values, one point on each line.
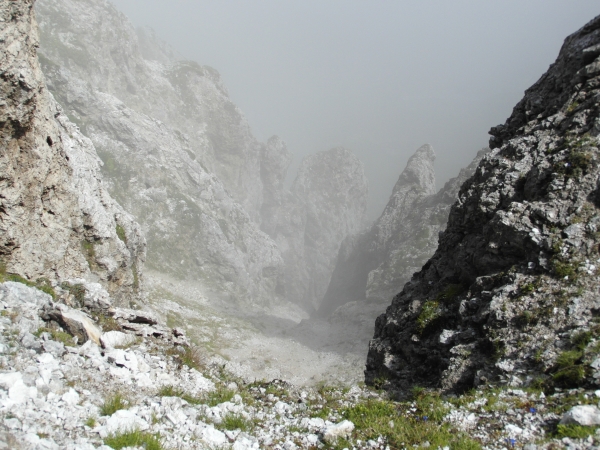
181	157
177	152
511	294
373	266
327	201
88	47
57	219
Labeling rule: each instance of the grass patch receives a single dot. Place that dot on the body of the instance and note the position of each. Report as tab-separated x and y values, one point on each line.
42	284
172	391
430	312
134	438
121	233
89	253
569	373
564	270
107	323
574	431
57	335
374	418
219	395
76	290
113	404
235	422
91	422
188	356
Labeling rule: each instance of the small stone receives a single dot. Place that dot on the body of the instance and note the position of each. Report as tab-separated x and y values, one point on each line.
112	339
341	430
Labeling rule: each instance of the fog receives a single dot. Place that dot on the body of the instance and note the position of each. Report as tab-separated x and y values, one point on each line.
380	78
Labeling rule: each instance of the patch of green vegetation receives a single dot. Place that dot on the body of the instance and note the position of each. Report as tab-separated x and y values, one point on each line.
121	233
430	312
374	418
134	438
574	431
564	270
89	253
187	356
569	372
321	412
582	339
106	322
57	335
579	159
220	395
136	277
42	284
91	422
114	403
233	421
572	107
172	391
76	290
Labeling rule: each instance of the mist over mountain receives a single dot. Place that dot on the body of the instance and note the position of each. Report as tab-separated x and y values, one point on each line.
169	279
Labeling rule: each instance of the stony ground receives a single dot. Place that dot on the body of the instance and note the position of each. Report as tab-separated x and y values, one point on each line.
146	386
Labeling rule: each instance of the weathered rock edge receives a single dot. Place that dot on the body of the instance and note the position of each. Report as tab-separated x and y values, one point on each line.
56	219
513	282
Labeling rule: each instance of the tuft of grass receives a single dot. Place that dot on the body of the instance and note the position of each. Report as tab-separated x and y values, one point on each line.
113	404
564	269
235	422
76	290
121	233
43	284
89	253
574	431
57	335
582	339
91	422
188	356
220	395
569	373
172	391
134	438
107	323
430	312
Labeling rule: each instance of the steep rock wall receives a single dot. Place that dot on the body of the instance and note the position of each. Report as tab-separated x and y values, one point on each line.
176	151
327	201
373	266
57	220
511	293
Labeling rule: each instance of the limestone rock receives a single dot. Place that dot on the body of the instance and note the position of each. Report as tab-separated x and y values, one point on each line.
112	339
176	152
58	221
586	415
76	322
327	201
516	265
336	431
373	266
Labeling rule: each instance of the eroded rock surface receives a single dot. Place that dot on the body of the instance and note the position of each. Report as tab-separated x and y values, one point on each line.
57	219
374	265
327	201
511	292
177	153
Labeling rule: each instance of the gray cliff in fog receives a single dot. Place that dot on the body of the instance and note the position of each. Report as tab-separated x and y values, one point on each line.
511	293
57	220
181	157
327	201
374	265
